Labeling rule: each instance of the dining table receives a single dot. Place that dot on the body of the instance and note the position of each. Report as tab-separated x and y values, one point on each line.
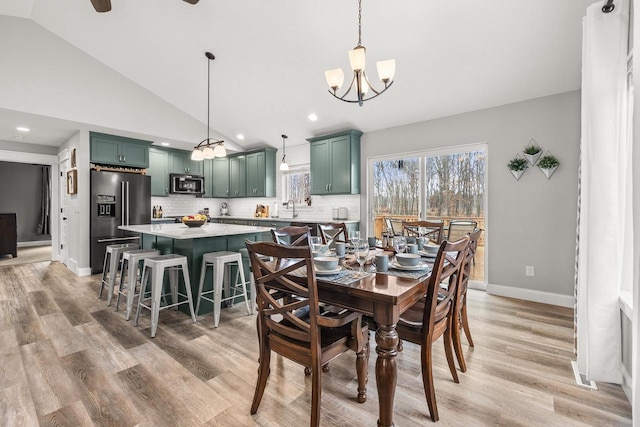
384	296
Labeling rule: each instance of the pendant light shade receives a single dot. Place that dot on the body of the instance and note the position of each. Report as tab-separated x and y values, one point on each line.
283	165
203	150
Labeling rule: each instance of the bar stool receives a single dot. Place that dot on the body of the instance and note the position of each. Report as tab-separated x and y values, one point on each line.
110	265
129	271
252	283
156	266
221	262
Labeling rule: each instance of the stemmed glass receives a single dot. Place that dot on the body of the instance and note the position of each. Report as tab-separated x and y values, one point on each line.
355	237
315	242
362	252
399	244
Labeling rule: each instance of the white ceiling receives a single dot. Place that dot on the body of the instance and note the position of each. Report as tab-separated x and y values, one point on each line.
451	57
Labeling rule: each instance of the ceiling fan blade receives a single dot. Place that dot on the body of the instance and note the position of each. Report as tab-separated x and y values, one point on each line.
101	5
192	1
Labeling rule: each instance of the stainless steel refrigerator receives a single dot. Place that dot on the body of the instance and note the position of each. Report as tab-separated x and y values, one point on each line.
117	198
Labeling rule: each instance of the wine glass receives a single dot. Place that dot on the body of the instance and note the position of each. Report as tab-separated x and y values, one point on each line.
362	252
399	244
355	237
315	242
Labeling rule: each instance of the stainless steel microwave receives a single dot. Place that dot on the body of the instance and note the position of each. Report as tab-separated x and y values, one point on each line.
186	184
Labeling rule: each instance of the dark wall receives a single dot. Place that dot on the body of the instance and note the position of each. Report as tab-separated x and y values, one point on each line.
20	192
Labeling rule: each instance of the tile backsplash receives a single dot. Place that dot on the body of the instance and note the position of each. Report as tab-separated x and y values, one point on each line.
320	209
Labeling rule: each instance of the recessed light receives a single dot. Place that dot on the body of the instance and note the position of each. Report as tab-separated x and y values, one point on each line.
240	137
166	144
23	129
313	117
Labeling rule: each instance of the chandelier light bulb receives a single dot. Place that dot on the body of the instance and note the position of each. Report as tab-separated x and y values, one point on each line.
386	70
197	155
335	78
219	150
208	153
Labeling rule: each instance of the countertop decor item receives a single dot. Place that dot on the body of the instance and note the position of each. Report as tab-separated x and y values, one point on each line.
548	164
335	78
203	150
517	166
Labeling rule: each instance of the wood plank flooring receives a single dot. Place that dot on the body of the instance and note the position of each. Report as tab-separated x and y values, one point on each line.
66	359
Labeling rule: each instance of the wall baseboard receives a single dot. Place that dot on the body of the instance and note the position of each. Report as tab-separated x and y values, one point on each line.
531	295
34	243
627	383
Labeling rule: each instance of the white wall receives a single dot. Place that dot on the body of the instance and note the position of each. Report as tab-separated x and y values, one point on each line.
531	221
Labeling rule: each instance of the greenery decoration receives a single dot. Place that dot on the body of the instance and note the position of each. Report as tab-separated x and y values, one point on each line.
532	149
548	161
517	164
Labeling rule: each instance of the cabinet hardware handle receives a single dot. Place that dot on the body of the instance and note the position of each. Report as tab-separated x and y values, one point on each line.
124	158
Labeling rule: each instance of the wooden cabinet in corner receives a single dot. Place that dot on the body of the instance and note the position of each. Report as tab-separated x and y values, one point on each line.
335	163
119	151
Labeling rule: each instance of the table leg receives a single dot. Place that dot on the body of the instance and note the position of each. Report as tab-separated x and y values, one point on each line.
386	372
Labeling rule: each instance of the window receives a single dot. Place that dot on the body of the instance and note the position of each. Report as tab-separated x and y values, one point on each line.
296	184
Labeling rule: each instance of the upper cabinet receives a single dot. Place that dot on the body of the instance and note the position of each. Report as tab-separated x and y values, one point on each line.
118	151
238	176
159	171
335	163
220	177
180	162
261	173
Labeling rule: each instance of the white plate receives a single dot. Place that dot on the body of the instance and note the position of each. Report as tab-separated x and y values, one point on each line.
426	254
322	272
420	266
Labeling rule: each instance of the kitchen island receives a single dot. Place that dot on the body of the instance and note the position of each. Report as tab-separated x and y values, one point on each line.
195	242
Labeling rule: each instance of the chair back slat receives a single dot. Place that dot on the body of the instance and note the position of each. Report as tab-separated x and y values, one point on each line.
292	235
336	231
459	228
434	229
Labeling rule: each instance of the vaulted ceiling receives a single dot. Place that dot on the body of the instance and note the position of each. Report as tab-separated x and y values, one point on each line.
268	76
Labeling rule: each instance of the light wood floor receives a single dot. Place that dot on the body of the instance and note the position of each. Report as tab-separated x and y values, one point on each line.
66	359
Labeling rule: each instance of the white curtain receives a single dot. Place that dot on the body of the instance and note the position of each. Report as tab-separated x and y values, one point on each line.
605	233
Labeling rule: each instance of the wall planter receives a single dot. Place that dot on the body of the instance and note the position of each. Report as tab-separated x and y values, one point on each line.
517	166
548	164
532	152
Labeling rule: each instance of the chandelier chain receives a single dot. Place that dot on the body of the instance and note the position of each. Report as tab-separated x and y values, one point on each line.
208	95
359	22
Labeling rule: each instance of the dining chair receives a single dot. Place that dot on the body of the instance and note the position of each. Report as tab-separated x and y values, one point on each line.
393	226
434	229
292	235
432	316
459	228
297	328
333	232
461	320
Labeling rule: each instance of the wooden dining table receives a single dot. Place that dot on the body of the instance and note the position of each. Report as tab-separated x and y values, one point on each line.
384	297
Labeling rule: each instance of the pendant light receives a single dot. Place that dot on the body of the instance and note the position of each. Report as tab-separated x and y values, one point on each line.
335	78
203	150
284	166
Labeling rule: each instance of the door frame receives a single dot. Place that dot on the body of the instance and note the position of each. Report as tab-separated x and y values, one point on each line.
42	159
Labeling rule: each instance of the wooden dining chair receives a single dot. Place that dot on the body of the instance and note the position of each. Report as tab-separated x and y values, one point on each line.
461	321
336	231
434	229
292	235
297	328
432	316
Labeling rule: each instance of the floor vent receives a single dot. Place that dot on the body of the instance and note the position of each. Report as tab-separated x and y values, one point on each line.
581	380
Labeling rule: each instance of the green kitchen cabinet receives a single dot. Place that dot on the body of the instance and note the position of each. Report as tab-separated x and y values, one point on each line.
220	177
238	176
159	171
180	162
261	173
335	163
119	151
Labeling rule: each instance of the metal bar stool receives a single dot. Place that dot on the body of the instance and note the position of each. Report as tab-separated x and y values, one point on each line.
157	265
129	274
110	265
221	262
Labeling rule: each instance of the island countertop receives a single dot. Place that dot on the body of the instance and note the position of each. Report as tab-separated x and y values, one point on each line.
181	231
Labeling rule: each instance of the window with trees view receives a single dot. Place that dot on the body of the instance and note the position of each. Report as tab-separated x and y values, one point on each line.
446	185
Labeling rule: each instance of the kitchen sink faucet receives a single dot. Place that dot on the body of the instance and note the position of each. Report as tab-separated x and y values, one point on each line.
292	204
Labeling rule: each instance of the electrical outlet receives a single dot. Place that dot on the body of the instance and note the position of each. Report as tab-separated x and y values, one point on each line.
529	271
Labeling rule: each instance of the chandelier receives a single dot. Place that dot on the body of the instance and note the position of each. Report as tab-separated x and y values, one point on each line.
335	78
203	150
